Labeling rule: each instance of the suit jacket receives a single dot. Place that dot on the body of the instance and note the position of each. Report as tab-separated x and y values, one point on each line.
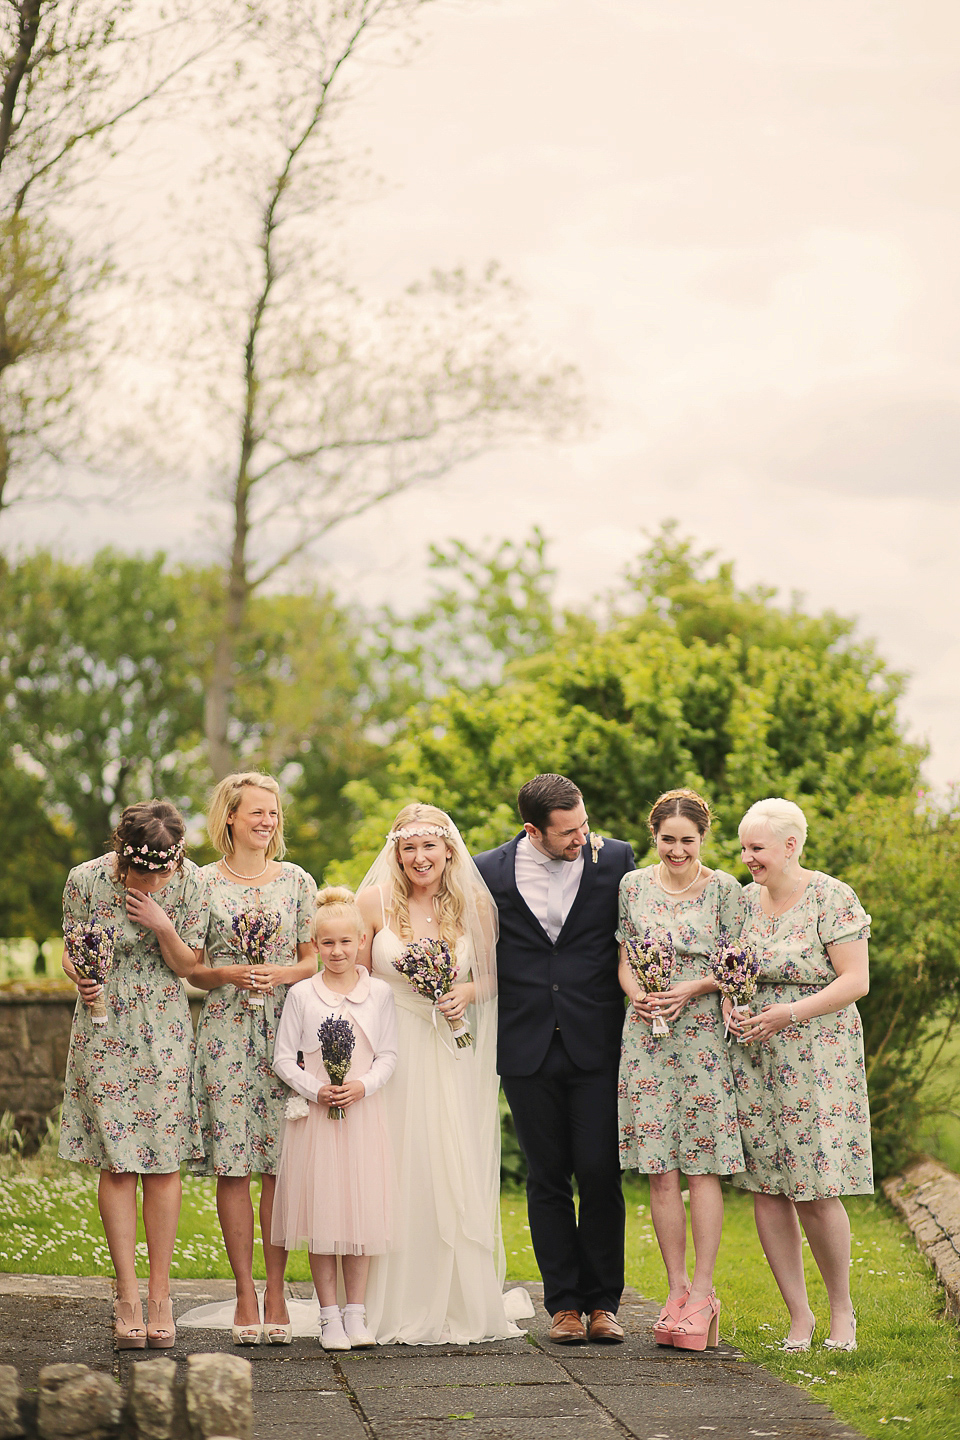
570	983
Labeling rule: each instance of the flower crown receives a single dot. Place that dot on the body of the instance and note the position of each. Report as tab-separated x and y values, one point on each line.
407	832
141	857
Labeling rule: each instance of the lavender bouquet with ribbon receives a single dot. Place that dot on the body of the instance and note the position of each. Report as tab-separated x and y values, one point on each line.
651	959
89	947
254	931
336	1047
430	969
736	969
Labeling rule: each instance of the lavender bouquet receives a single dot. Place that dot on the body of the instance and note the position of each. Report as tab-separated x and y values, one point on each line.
430	969
336	1046
735	969
651	960
254	931
89	947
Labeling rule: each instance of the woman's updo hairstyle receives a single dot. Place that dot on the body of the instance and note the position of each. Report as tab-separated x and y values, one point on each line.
336	902
149	838
687	803
781	816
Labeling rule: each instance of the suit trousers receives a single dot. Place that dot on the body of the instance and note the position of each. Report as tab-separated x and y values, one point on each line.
566	1123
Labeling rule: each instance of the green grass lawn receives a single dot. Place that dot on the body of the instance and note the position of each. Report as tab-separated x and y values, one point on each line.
905	1375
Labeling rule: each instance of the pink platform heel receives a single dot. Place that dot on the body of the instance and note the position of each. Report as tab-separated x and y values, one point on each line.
668	1317
699	1326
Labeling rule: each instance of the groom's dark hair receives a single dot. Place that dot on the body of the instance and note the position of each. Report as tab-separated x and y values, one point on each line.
544	794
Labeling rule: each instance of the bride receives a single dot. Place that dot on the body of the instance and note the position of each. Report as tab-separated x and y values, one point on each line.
443	1281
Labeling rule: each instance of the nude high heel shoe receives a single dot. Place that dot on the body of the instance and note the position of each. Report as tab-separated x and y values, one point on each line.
161	1331
128	1327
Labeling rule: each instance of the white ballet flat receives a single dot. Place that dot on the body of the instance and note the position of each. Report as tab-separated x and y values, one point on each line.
332	1334
355	1325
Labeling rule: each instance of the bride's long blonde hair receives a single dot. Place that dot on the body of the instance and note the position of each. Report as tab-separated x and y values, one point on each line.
450	899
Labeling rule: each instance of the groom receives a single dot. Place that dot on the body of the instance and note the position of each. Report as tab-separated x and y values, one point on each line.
558	1046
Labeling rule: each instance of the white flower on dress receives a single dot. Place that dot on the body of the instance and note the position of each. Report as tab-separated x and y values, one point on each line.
596	845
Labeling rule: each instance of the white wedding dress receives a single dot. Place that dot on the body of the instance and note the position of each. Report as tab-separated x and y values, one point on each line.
443	1280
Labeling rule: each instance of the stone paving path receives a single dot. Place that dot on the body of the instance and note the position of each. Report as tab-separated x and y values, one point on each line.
524	1389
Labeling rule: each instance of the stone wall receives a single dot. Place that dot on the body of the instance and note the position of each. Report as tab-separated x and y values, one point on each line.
35	1021
928	1197
34	1040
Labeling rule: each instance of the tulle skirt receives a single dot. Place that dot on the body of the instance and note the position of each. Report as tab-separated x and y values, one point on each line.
335	1181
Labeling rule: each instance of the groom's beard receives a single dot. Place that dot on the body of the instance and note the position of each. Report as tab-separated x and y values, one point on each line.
570	853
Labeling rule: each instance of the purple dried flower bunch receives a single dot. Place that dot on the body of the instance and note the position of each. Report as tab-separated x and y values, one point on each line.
336	1047
89	946
736	969
651	959
255	931
430	968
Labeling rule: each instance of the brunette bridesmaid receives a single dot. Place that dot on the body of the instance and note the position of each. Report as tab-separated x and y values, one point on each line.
678	1110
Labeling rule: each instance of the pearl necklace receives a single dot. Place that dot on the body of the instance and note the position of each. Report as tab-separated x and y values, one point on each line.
236	873
693	882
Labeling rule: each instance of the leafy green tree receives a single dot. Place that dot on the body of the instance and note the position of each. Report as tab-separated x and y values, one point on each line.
36	850
493	606
96	687
670	694
902	856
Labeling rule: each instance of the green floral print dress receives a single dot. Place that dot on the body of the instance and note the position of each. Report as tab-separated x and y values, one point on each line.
241	1100
127	1103
802	1094
678	1110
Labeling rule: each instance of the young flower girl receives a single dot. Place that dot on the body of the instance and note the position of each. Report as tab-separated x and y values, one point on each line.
335	1181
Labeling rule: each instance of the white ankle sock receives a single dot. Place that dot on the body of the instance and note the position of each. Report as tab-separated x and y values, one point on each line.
331	1323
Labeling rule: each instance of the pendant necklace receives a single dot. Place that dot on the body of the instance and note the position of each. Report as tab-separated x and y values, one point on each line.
685	888
779	908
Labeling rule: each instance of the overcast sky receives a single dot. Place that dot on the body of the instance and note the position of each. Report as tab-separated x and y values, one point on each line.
741	222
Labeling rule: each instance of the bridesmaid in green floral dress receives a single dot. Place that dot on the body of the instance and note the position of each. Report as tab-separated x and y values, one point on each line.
241	1100
802	1089
127	1104
678	1112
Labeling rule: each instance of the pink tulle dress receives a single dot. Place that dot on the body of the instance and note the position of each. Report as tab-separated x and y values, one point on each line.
335	1181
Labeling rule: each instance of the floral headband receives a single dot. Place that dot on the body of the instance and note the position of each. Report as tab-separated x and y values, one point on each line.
407	832
141	857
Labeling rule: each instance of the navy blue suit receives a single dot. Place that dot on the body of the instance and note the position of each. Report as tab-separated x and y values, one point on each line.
558	1049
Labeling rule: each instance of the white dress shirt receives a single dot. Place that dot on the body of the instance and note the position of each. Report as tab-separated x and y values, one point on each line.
533	875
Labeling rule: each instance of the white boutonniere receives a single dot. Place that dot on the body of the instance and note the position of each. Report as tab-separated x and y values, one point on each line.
596	845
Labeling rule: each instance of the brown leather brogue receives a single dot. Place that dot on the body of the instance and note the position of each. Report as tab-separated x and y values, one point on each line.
567	1328
603	1328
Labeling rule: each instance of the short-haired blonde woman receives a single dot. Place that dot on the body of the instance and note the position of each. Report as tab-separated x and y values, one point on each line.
801	1083
241	1101
678	1110
443	1281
